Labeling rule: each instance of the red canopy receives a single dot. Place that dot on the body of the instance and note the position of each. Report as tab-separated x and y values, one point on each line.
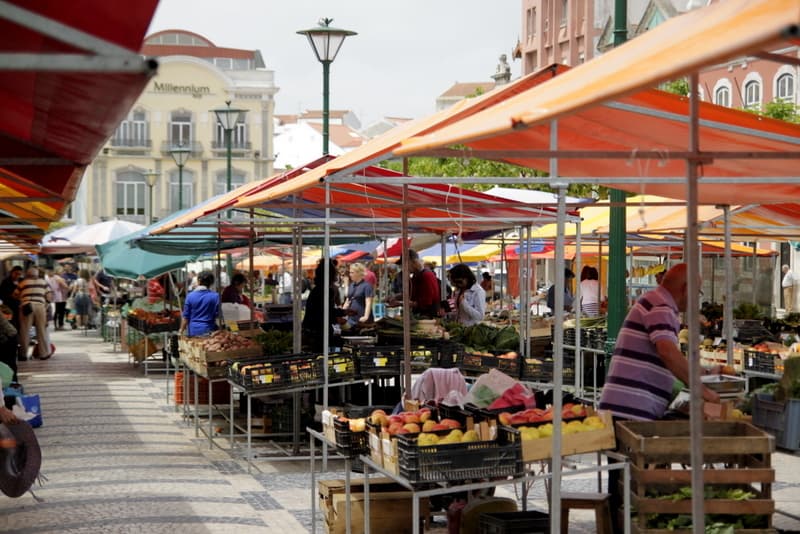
71	73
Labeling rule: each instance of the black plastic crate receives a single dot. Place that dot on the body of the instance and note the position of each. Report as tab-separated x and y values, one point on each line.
474	363
341	367
258	374
379	361
449	354
459	461
541	369
348	443
486	414
763	362
445	411
302	369
530	522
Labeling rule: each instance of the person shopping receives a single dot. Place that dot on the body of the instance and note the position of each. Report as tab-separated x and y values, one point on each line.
60	290
33	293
468	304
590	291
314	317
201	308
359	296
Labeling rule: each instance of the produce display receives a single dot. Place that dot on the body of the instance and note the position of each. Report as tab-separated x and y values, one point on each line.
209	356
150	321
421	420
484	337
420	328
223	341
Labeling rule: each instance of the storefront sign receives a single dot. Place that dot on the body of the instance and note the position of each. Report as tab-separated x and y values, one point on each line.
197	91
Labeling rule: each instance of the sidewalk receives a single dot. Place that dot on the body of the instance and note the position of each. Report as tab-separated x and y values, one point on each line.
119	459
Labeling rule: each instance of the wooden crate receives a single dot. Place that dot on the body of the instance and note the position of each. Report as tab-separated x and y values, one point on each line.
389	502
579	443
660	463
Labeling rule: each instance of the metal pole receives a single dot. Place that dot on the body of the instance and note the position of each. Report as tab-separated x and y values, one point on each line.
727	303
180	187
693	316
228	147
617	303
558	339
326	71
151	202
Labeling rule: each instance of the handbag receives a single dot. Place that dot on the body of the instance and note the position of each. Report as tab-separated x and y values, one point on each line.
70	303
27	309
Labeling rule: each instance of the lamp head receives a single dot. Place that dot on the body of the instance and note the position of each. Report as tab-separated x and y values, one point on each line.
180	154
228	116
325	40
151	177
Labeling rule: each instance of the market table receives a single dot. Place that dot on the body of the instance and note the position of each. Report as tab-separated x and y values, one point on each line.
252	393
417	493
314	435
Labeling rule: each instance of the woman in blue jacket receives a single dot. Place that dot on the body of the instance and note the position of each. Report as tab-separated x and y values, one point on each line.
201	308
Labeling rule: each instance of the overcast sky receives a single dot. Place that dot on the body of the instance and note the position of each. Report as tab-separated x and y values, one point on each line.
404	56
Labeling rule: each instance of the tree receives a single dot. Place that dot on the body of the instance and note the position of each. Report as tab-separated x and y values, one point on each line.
678	87
782	110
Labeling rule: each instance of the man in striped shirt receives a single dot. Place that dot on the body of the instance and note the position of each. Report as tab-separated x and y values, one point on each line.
647	357
32	292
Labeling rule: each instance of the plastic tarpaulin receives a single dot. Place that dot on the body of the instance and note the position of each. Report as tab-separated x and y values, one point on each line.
604	106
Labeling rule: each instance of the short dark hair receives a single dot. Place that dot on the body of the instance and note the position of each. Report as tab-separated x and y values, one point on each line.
206	278
486	276
238	278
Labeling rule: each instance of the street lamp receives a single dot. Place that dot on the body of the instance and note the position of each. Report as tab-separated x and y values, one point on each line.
227	118
326	42
179	155
151	177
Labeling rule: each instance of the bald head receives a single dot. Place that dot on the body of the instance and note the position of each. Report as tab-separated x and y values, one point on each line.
676	282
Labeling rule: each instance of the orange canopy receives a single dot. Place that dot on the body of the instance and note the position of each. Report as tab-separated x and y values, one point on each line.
604	106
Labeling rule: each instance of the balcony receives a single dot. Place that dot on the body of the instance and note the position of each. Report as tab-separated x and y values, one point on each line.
238	148
125	145
195	146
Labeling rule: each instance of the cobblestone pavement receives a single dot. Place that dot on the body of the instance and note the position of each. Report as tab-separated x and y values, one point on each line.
119	459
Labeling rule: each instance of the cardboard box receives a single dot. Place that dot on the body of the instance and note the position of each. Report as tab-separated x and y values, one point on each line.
389	453
389	506
375	446
578	443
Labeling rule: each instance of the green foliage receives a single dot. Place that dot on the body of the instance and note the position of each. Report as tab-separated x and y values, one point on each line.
746	310
275	342
678	87
458	167
781	110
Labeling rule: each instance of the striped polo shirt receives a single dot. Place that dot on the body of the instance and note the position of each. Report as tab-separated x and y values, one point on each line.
638	385
33	290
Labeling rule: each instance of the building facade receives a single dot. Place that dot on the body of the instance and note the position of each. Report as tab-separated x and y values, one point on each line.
194	77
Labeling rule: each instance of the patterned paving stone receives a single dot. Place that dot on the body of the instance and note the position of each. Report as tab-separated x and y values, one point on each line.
261	500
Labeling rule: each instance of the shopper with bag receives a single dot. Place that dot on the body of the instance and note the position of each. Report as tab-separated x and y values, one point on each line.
60	289
33	312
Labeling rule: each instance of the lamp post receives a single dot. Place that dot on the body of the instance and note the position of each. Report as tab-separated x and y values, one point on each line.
326	42
151	177
227	118
179	155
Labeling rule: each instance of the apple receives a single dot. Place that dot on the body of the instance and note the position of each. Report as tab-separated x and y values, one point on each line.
396	419
450	423
412	428
394	427
504	418
411	418
358	425
518	419
440	426
424	415
428	425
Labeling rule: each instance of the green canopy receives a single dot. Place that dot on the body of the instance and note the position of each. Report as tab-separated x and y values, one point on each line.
122	260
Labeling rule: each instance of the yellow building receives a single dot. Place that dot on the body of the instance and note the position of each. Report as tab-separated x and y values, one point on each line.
194	77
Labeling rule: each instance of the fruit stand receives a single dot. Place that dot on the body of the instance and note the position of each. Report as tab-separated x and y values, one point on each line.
736	457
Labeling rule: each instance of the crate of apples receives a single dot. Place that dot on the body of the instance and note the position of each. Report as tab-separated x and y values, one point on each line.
422	420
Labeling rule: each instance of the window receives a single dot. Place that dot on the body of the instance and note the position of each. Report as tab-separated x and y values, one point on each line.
752	94
224	63
174	188
722	97
238	134
564	11
132	131
241	64
221	183
180	128
785	90
531	23
131	188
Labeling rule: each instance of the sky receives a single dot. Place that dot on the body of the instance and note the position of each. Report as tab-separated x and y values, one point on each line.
404	56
